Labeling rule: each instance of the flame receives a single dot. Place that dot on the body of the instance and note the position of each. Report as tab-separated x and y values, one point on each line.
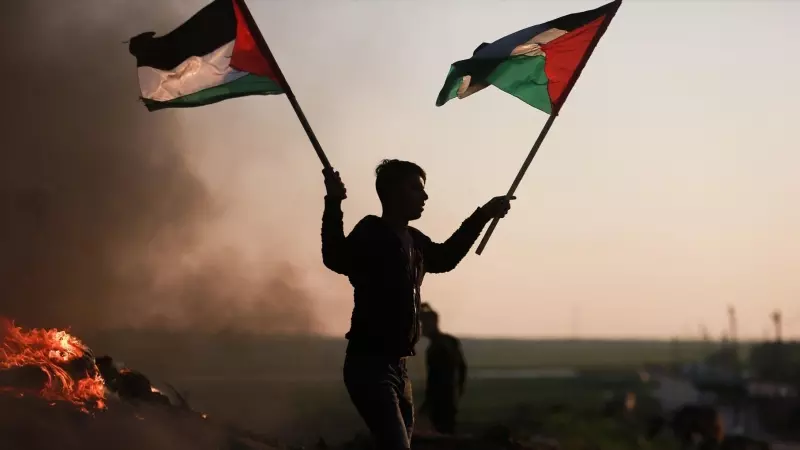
49	350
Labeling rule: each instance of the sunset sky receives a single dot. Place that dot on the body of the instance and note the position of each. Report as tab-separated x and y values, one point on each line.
666	190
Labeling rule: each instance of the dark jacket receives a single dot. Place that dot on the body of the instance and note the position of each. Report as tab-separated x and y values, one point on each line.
447	371
385	318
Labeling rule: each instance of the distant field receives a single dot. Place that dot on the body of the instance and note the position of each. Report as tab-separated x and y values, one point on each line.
236	355
580	353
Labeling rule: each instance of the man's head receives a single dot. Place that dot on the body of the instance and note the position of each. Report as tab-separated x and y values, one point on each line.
401	188
430	320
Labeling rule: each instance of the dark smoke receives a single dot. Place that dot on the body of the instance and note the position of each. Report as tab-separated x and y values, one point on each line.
96	196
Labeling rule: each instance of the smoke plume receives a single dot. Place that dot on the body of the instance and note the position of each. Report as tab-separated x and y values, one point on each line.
97	199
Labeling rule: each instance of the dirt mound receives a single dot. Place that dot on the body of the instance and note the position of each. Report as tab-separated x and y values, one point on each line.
495	438
32	423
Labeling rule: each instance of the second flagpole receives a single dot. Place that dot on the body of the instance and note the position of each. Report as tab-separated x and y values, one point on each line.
551	119
518	179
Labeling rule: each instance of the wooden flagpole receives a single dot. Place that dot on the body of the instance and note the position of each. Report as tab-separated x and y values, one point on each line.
556	108
518	179
262	45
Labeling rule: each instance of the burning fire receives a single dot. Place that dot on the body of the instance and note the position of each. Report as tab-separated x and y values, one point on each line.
54	351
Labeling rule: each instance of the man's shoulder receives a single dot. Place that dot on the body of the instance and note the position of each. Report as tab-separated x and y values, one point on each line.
447	340
417	235
452	339
367	224
368	220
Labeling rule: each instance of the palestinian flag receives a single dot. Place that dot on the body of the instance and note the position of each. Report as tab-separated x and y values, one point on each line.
538	65
209	58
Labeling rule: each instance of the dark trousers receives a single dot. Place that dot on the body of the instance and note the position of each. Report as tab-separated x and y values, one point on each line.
443	417
381	392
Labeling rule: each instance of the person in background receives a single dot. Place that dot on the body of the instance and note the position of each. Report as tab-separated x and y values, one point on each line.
447	374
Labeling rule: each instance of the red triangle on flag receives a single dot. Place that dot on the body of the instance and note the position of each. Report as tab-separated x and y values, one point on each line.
247	57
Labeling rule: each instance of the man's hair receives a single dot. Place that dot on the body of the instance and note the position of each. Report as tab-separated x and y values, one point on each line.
391	172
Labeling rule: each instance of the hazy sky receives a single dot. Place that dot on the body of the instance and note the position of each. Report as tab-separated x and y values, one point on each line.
665	191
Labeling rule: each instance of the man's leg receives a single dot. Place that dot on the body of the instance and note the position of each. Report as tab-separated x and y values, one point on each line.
443	409
406	403
376	390
443	419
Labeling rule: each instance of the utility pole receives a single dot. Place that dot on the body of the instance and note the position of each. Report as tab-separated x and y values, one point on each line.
733	332
732	328
777	321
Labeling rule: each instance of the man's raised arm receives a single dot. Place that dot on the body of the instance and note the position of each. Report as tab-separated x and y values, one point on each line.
336	254
444	257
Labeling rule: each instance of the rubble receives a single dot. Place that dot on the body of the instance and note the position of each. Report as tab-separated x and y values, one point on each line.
54	393
494	438
32	423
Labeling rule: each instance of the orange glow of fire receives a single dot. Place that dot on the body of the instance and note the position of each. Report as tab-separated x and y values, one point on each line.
49	349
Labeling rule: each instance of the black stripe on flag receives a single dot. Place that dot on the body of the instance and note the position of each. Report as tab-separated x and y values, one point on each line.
207	30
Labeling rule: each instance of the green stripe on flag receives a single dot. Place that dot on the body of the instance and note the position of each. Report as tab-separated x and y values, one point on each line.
524	78
450	89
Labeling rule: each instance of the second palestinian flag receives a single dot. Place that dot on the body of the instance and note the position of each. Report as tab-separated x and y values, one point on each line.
536	64
209	58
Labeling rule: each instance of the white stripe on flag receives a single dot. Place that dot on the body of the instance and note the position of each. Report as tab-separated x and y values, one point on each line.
193	75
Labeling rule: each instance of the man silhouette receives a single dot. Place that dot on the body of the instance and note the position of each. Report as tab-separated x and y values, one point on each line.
385	261
447	373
